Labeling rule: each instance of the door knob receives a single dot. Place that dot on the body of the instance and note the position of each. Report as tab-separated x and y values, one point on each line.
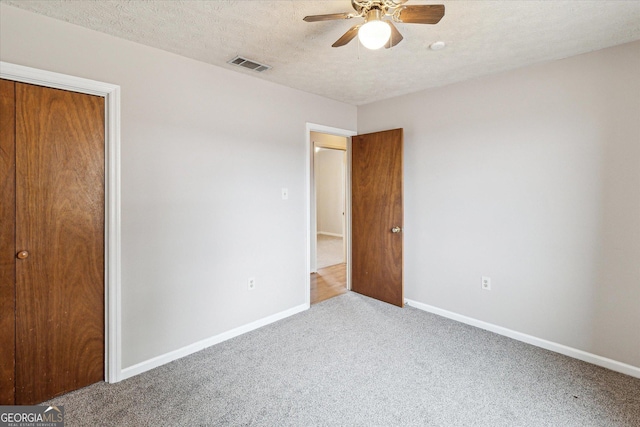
22	254
396	229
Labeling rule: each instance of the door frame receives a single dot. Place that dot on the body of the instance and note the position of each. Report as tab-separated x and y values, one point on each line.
112	220
313	127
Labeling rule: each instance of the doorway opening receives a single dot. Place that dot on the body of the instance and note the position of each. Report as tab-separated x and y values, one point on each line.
330	179
330	164
329	212
374	213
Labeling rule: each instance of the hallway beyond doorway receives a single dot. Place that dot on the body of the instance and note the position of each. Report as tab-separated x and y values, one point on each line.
330	250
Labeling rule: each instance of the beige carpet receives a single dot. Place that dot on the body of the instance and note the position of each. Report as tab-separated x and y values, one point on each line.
354	361
330	251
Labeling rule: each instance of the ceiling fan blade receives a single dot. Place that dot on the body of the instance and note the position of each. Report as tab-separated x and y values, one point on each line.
422	14
328	17
395	38
347	37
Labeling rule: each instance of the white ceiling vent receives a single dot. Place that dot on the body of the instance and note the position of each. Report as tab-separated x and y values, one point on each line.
247	63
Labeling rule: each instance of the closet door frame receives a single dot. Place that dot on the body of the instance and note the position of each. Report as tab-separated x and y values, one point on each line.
112	220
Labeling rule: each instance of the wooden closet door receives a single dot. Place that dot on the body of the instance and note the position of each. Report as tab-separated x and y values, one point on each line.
60	223
7	243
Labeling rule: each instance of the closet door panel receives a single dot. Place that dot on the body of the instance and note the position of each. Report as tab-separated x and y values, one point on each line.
60	224
7	242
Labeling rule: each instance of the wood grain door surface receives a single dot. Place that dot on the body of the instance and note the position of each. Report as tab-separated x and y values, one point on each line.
7	242
59	221
377	207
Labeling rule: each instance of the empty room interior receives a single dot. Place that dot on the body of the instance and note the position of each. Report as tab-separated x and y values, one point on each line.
246	213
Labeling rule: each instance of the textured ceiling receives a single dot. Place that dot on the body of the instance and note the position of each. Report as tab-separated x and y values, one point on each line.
482	37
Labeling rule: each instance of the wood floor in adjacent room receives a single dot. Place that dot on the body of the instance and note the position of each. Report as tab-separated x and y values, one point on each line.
328	282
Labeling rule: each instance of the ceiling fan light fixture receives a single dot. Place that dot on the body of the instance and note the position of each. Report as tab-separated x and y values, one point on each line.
374	33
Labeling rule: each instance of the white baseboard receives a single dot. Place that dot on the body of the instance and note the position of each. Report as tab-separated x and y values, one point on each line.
208	342
614	365
326	233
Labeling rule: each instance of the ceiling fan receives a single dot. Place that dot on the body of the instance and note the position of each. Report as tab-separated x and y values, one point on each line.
376	31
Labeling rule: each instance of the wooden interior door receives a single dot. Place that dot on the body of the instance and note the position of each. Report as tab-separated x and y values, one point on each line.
58	251
7	243
377	216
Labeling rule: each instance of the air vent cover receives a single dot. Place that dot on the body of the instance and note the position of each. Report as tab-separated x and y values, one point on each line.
239	61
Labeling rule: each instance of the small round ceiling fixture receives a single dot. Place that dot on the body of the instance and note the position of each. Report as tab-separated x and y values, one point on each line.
439	45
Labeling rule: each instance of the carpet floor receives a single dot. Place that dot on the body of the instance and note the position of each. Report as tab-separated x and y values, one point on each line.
354	361
330	251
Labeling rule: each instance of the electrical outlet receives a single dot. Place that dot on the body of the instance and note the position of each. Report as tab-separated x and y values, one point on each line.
251	283
486	283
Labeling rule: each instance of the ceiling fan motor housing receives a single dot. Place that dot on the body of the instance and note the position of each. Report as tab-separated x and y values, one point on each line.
364	7
373	15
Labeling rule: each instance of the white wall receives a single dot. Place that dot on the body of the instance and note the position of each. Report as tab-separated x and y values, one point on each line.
329	165
531	177
205	152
